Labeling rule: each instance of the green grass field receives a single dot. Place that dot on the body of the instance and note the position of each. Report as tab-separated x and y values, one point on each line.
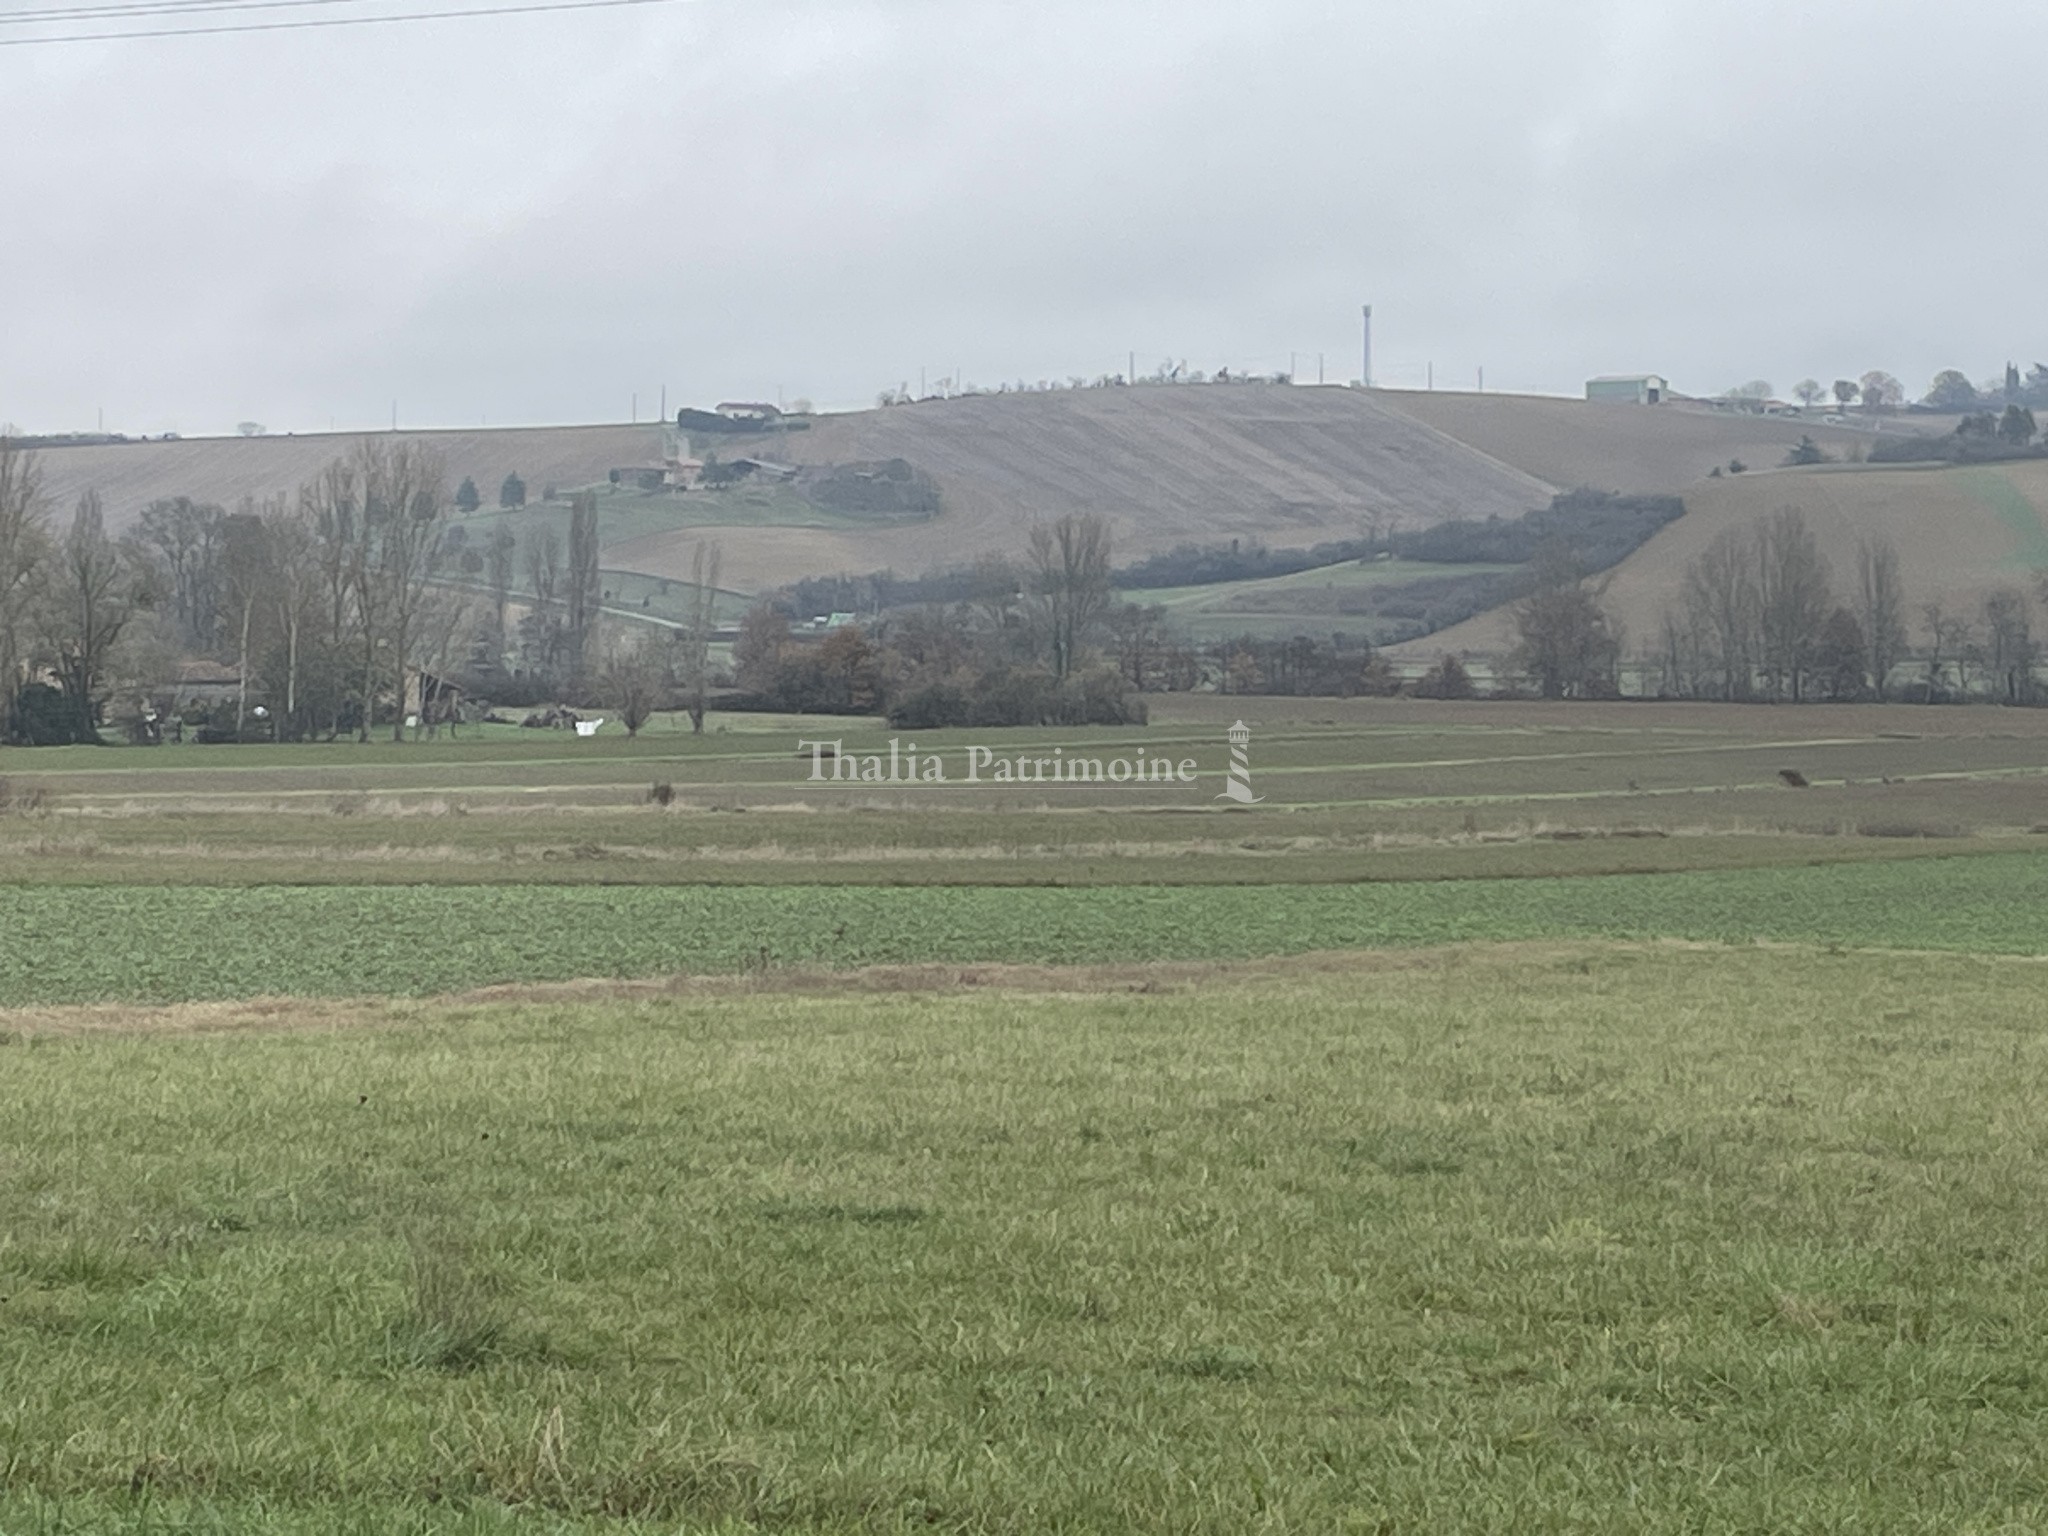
1522	1119
1561	1238
174	943
1358	790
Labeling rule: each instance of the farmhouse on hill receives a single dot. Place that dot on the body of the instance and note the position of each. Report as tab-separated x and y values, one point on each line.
1626	389
748	410
766	468
673	471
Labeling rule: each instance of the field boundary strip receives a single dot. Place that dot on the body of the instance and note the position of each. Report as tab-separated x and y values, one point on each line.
284	1014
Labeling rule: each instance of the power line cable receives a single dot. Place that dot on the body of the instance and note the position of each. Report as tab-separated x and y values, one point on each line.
327	21
147	8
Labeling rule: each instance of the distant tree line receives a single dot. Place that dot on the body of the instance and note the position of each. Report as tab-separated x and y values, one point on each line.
1880	393
1600	527
1762	617
1168	371
1980	437
1033	641
1018	643
355	605
1952	391
331	598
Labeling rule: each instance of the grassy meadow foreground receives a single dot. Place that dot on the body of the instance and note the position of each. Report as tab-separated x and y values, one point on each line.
1525	1119
1554	1237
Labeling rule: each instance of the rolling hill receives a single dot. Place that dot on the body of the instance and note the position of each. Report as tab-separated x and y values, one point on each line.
1627	448
1961	531
1165	465
1288	466
129	476
1280	465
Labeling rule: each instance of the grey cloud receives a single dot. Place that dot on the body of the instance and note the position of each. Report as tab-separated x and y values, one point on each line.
528	219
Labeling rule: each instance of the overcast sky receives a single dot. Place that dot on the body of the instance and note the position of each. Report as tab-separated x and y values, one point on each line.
529	219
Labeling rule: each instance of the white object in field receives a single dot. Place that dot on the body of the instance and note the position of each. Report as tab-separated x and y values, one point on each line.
589	727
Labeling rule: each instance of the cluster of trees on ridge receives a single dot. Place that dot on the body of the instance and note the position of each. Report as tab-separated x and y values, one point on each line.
1880	393
1170	371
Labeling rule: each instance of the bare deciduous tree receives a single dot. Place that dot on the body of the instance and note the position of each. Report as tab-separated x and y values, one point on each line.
1881	608
185	538
1565	640
763	633
636	678
406	481
24	544
1792	600
1721	608
294	595
693	661
544	577
1949	642
392	560
1841	657
92	594
1880	391
585	591
447	614
1070	570
2009	628
246	578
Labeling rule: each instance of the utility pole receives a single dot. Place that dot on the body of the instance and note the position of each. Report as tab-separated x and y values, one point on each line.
1132	376
664	402
1482	378
1319	367
394	415
636	408
1432	375
1366	377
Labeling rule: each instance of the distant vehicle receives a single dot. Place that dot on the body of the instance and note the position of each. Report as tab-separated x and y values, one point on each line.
1835	418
